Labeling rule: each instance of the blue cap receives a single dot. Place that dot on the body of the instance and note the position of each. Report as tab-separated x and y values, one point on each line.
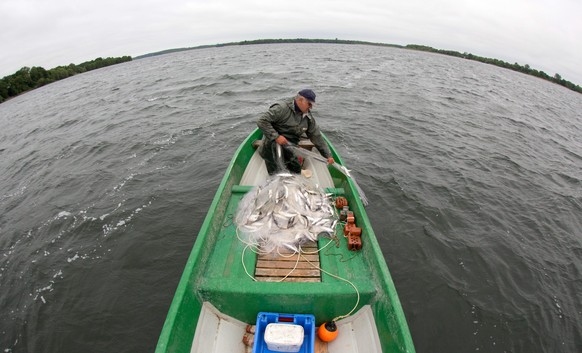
308	94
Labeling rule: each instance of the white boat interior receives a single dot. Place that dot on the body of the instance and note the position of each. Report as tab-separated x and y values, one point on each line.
256	172
220	333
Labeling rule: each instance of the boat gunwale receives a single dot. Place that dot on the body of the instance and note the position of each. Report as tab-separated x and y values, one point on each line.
385	280
168	328
387	300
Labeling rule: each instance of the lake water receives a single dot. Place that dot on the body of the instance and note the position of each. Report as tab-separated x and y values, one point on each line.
474	175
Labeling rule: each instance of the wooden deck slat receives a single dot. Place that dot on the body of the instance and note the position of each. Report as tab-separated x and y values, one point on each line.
297	268
312	258
288	279
305	248
298	272
285	264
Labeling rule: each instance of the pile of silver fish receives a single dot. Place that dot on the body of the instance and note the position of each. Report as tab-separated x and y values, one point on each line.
284	213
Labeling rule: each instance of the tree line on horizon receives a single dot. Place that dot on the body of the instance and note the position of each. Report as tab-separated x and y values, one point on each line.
29	78
526	69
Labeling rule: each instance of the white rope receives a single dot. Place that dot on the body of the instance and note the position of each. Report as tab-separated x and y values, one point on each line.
257	250
345	280
245	266
315	252
287	256
300	253
294	268
340	278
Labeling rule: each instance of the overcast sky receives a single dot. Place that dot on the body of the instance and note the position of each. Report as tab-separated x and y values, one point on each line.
545	34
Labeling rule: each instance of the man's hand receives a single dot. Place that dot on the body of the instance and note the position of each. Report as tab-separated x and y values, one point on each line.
330	160
281	140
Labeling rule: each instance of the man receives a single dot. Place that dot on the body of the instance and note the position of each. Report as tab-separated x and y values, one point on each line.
285	122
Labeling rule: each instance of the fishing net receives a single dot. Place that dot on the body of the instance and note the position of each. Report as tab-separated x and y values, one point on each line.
284	213
305	153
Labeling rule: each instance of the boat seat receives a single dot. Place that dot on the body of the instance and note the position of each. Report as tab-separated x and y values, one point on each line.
304	143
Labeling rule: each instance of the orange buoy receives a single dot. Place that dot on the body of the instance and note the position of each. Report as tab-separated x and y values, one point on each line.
327	332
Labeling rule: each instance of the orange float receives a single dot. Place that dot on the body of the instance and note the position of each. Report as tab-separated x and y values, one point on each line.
328	331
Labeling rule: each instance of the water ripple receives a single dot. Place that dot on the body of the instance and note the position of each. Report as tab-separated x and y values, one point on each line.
474	176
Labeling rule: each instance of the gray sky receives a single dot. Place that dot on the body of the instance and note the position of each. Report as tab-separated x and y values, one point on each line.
545	34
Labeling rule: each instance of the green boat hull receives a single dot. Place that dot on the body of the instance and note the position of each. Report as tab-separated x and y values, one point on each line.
214	272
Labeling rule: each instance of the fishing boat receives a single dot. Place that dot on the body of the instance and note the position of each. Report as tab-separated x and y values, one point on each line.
225	288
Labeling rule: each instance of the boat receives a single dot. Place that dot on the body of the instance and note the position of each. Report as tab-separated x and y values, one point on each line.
219	295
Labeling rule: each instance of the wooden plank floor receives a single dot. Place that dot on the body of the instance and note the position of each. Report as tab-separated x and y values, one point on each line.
286	268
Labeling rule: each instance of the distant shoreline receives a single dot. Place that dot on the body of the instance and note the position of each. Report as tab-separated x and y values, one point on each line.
270	41
525	69
27	79
30	78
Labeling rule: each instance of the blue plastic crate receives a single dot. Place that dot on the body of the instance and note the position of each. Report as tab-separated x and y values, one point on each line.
307	321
